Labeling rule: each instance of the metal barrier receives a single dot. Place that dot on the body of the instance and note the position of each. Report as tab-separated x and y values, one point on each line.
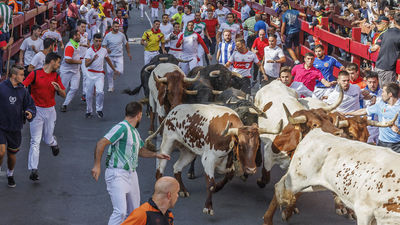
351	45
28	19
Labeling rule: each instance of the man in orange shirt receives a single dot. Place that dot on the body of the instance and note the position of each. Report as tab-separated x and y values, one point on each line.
355	77
155	211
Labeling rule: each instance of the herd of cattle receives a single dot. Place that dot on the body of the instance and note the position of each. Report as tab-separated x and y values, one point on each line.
205	113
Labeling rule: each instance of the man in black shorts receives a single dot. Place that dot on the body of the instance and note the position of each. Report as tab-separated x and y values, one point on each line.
16	105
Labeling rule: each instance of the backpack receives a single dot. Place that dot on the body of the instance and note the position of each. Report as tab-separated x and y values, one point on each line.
34	80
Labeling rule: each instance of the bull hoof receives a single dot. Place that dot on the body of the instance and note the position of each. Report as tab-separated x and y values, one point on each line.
191	176
260	183
341	212
296	211
208	211
243	178
287	213
183	194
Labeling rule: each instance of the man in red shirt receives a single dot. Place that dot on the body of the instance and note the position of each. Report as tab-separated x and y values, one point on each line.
258	48
307	74
72	14
44	84
108	10
211	27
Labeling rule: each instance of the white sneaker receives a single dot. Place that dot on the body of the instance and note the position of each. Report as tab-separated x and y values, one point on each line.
111	90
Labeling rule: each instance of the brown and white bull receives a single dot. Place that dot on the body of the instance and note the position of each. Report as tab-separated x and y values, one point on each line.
365	177
167	86
217	134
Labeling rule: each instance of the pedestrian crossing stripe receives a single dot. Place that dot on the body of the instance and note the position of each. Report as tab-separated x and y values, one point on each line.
134	41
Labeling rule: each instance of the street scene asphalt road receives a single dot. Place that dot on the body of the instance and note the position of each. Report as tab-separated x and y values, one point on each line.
67	194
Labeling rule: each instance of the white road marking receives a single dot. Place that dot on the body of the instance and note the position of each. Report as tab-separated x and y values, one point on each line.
134	41
148	18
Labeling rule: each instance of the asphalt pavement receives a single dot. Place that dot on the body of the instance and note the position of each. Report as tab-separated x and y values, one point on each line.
67	194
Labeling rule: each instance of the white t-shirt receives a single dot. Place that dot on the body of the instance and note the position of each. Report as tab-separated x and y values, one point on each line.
301	89
27	47
84	9
83	41
245	12
115	42
98	64
234	28
186	18
89	16
242	63
166	30
221	14
171	11
272	69
38	60
173	41
351	98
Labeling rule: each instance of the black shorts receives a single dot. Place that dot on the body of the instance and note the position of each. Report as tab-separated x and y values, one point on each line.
12	139
292	39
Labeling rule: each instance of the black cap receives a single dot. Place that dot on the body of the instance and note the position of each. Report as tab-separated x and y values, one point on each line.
382	18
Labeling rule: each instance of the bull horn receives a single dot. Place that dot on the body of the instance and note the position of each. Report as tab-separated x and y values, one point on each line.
337	121
150	67
163	58
276	131
343	123
190	92
240	97
229	131
383	124
236	74
230	101
215	92
214	73
184	61
329	108
192	80
294	120
159	79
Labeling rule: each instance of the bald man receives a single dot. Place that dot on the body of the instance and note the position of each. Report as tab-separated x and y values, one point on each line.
155	211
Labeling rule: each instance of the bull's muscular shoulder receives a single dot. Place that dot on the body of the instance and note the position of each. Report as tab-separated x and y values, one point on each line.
217	126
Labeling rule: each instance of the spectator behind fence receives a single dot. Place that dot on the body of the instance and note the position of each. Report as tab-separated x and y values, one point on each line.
3	44
389	53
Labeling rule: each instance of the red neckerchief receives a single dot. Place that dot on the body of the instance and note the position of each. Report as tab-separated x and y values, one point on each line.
194	21
176	32
96	50
290	84
155	31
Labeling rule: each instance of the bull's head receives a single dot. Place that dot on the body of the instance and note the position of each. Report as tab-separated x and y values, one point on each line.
300	123
245	143
172	87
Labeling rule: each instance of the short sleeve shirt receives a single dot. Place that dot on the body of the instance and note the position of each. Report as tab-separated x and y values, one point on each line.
98	64
326	66
38	60
153	40
211	27
386	112
221	14
389	51
27	47
186	18
307	77
291	18
125	145
260	45
234	28
272	69
242	63
351	98
115	42
226	50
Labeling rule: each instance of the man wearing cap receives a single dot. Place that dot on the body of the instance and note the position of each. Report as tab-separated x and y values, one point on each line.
382	24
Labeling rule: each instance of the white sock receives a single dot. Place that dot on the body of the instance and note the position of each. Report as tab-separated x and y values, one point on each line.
10	173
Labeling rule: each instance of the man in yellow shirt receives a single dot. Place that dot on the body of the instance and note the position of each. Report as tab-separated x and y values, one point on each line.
151	40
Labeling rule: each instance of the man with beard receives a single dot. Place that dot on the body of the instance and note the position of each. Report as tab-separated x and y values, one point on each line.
200	28
229	25
190	41
114	42
151	40
122	161
45	83
70	67
166	28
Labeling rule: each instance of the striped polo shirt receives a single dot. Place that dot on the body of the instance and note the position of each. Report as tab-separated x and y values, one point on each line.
7	14
124	149
226	50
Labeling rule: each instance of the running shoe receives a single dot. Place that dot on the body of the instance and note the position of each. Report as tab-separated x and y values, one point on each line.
11	181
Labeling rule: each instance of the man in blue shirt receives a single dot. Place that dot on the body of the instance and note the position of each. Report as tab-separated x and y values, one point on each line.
325	64
386	109
291	28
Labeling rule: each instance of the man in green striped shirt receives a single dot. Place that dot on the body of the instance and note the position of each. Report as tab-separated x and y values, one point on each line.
121	162
7	14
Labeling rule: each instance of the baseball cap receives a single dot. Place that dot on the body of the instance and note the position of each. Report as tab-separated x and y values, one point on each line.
382	18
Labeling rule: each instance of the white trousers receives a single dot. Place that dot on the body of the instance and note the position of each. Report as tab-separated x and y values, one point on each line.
177	54
84	72
94	80
186	67
118	62
200	54
154	12
70	78
148	56
92	31
141	9
42	125
123	187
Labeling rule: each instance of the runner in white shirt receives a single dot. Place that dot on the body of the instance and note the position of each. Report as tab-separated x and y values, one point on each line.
200	28
244	11
84	44
53	33
173	40
91	18
221	12
229	25
173	9
352	94
30	47
69	70
114	42
190	41
273	58
37	61
166	28
85	7
94	60
187	16
205	9
242	61
285	76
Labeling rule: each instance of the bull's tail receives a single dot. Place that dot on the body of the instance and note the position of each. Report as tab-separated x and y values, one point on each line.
148	144
132	92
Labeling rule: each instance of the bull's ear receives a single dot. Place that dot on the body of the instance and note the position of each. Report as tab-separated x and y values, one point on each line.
288	140
162	93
